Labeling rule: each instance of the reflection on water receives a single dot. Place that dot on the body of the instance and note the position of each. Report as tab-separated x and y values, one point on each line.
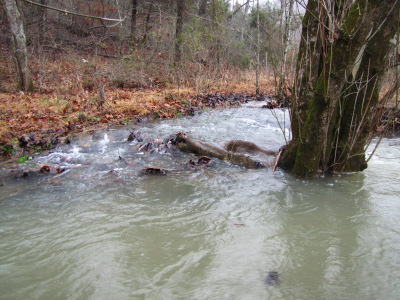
101	231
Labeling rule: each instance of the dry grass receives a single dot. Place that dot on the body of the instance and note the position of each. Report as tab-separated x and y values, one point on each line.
238	81
5	135
68	89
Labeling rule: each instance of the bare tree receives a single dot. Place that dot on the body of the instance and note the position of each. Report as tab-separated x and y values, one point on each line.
42	21
258	50
133	19
147	24
19	45
286	21
179	31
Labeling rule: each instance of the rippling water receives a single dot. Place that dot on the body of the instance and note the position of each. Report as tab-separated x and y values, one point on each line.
101	231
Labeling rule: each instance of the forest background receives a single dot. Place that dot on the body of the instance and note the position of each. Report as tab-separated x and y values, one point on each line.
111	62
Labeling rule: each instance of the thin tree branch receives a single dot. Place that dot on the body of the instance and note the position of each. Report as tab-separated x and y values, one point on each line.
75	14
234	13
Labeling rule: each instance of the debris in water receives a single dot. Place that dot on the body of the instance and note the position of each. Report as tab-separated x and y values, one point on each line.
239	224
60	170
272	278
45	169
203	161
136	135
153	145
153	171
271	104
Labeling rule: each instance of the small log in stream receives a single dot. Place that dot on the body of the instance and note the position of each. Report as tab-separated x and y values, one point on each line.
187	144
247	147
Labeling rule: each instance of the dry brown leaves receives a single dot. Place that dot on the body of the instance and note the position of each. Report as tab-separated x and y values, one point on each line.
67	96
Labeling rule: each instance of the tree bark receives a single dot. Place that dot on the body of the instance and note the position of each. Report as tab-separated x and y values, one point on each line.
19	45
320	125
356	120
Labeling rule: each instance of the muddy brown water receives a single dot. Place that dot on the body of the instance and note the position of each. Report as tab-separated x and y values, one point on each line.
99	230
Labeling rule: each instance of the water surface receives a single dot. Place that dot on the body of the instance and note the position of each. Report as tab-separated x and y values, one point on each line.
101	231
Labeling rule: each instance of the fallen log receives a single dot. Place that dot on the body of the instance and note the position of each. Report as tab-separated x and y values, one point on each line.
247	147
187	144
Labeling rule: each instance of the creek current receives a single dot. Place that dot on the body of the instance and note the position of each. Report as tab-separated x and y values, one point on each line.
99	230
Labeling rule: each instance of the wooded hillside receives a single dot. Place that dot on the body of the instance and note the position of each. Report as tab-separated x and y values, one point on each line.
82	63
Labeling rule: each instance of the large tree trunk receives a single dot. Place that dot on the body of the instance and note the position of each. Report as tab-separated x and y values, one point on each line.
357	120
19	45
330	124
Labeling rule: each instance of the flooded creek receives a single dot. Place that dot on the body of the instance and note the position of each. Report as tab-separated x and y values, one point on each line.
100	230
